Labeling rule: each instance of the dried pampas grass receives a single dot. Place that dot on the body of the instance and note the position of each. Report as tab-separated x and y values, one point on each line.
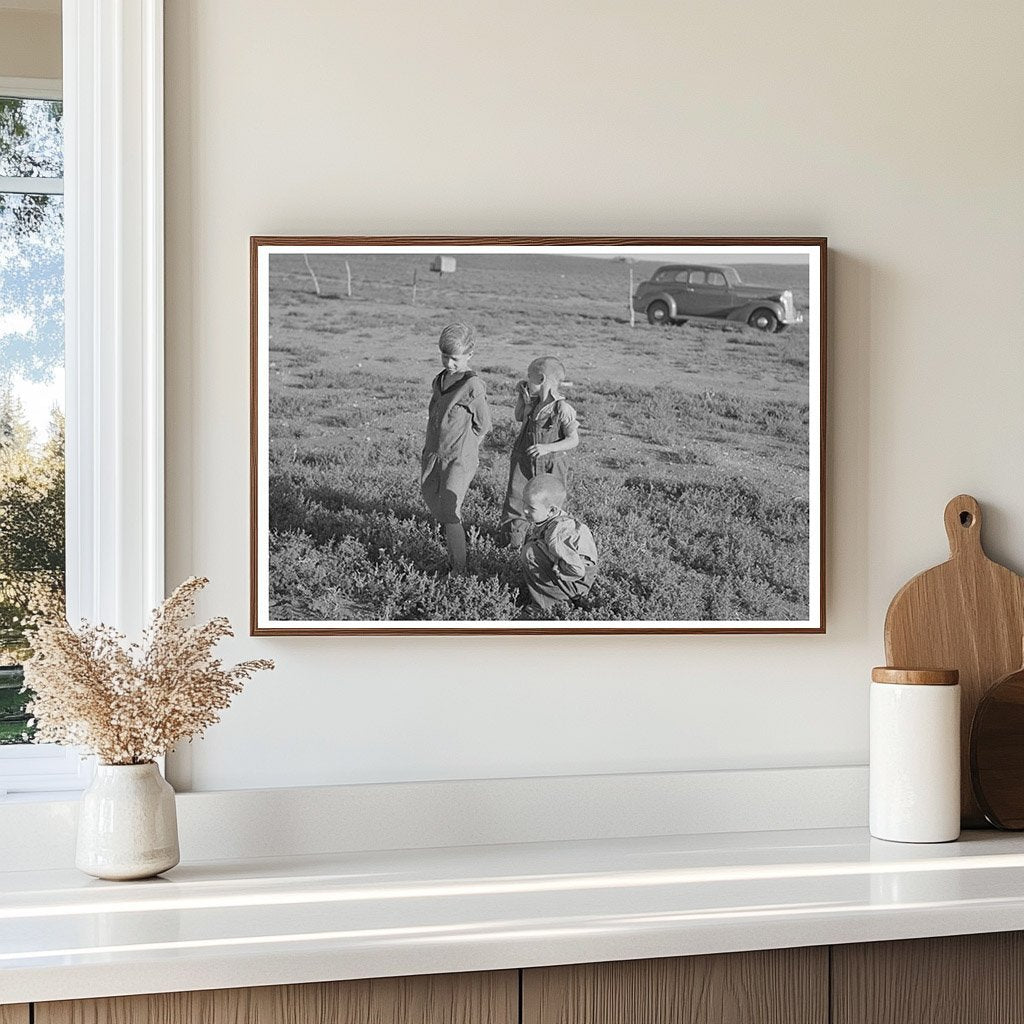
130	703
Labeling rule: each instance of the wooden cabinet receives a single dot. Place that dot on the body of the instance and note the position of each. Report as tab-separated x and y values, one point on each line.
967	979
962	979
491	998
777	986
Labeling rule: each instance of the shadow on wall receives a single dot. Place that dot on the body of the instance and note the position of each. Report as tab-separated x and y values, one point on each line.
852	289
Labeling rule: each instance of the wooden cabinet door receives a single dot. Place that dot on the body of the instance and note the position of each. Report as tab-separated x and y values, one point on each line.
776	986
482	998
14	1014
960	979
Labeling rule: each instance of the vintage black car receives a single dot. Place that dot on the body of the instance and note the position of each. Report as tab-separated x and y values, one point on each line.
684	291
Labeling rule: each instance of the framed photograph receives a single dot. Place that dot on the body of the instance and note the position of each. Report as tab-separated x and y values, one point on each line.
537	435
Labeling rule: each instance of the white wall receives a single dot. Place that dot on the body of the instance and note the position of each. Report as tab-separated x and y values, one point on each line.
895	129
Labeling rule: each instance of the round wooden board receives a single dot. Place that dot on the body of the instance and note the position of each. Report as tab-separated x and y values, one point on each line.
997	752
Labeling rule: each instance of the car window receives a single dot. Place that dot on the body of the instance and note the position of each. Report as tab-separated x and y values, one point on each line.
665	274
715	278
697	277
681	276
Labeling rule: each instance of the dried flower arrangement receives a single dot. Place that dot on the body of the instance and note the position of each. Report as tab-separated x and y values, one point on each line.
130	703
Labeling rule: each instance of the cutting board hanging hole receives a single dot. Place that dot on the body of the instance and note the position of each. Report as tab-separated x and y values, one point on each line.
963	525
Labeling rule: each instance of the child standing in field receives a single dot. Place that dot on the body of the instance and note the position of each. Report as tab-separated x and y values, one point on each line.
457	419
549	432
559	556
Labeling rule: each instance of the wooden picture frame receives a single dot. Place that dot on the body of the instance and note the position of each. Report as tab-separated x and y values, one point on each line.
702	405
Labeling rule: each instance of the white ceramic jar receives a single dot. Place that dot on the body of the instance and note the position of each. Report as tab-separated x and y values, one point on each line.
915	755
127	823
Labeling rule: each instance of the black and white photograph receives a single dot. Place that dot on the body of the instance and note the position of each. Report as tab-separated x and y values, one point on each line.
537	435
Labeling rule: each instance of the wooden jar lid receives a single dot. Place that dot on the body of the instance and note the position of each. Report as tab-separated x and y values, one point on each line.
916	676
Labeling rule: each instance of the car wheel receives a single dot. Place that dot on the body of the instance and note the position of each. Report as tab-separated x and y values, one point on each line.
763	320
657	314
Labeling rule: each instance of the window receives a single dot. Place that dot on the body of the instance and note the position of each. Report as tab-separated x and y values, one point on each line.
697	277
716	278
31	382
113	330
32	533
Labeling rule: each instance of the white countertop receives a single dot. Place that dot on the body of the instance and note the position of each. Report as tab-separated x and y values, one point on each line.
225	924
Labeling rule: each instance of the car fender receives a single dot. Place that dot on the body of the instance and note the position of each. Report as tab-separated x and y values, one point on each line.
660	297
744	312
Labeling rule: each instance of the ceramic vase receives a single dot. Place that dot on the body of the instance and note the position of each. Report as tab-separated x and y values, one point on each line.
127	825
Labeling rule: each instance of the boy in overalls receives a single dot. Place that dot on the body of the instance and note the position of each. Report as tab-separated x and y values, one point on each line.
549	432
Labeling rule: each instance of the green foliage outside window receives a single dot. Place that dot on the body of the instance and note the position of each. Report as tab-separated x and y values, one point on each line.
31	547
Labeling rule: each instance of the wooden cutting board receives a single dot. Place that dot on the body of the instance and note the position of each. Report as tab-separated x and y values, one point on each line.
967	614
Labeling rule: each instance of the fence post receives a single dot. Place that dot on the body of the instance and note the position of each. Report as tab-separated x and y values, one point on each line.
348	276
632	311
316	283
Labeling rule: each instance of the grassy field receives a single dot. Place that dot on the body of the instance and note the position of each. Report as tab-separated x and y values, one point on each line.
692	470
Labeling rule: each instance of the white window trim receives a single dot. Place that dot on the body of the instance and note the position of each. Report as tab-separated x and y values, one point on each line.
113	167
32	88
42	768
32	186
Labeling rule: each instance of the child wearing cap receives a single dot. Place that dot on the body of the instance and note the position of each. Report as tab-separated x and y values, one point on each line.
457	420
549	432
559	556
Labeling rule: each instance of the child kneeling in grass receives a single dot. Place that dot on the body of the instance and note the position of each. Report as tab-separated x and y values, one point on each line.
559	557
457	419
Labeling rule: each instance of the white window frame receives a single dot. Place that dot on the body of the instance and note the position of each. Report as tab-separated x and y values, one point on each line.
31	89
114	264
